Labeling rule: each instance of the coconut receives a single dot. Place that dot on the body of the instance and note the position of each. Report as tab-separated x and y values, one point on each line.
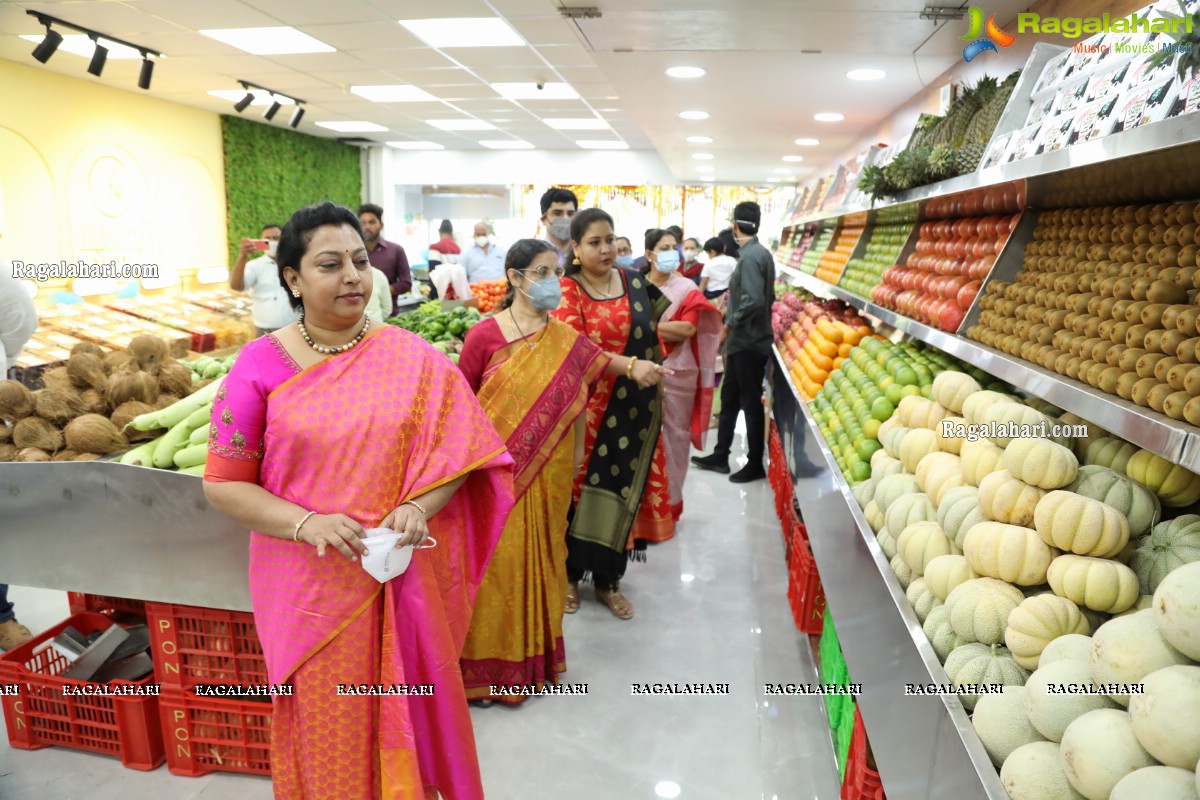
86	371
16	402
125	413
64	455
88	347
7	452
31	454
165	400
93	402
175	378
150	351
117	359
93	433
5	431
86	457
58	378
37	432
58	407
130	384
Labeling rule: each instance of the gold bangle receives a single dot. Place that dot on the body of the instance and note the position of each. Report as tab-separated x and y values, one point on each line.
629	368
417	506
296	533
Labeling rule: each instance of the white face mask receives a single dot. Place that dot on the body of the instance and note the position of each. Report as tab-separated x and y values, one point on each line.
481	241
272	246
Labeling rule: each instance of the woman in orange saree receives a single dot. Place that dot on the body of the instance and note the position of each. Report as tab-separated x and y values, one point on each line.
325	428
532	375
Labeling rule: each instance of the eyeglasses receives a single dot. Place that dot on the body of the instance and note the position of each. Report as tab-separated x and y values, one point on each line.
544	272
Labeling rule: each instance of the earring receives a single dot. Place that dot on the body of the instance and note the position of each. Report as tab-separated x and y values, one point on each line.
575	261
295	292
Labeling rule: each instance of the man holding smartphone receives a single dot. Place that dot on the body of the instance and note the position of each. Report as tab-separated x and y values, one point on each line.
260	277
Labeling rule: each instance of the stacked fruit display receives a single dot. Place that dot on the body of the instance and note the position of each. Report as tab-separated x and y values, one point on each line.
1106	296
1042	563
887	238
814	337
863	394
955	251
812	256
490	293
833	262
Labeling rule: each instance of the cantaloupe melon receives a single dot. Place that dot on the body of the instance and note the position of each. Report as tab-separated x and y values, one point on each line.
892	436
1037	622
921	599
1095	583
1059	693
874	516
883	465
1014	418
1127	649
903	571
1072	647
1002	724
1008	552
894	487
1139	505
1175	486
975	404
947	439
1159	783
1111	452
1176	609
1034	771
951	388
864	491
939	633
921	542
887	542
1040	463
1143	602
908	509
978	609
1080	525
979	459
1170	545
944	573
1166	716
1098	750
917	443
976	664
1003	498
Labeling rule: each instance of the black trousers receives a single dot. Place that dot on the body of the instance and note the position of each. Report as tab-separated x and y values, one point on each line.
742	392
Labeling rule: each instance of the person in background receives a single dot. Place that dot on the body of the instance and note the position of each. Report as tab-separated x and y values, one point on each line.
731	245
691	266
677	232
747	340
260	277
532	374
690	330
445	250
379	306
484	259
714	278
372	403
624	252
640	263
388	257
18	321
558	208
621	497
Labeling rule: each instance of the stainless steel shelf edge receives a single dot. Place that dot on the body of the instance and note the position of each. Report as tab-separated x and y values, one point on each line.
111	529
924	746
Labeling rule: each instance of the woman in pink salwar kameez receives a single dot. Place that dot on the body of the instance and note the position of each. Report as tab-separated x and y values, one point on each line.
321	430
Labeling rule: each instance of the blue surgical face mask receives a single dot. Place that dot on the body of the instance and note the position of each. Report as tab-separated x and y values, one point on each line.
668	261
546	294
624	261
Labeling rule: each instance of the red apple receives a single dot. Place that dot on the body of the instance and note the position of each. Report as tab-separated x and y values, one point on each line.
950	318
966	294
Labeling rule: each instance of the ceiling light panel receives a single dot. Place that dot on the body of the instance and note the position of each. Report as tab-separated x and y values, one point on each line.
829	116
808	142
461	124
793	159
506	144
356	126
416	145
268	41
601	144
464	32
700	139
693	115
577	124
395	93
686	72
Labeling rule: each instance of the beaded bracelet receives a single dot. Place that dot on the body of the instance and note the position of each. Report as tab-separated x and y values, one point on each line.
296	533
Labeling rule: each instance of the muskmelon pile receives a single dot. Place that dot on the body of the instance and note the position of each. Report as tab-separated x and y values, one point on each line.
82	412
1040	562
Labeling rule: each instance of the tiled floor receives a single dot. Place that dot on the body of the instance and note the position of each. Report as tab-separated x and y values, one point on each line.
710	609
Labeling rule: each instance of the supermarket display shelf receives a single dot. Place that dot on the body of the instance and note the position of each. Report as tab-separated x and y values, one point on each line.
924	745
1171	439
156	539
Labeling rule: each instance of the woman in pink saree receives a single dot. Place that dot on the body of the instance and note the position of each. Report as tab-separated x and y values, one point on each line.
690	331
323	429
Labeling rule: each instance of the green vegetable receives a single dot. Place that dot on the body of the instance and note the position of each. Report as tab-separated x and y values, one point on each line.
173	414
143	455
199	435
192	456
196	470
177	436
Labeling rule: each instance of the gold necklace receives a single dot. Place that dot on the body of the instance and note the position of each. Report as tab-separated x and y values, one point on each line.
592	286
332	351
524	338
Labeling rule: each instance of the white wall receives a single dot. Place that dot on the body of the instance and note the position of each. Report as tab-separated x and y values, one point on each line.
623	168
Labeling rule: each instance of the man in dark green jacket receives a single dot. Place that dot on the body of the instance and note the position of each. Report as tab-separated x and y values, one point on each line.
747	340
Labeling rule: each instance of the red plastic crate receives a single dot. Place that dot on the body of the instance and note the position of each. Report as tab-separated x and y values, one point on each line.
40	715
204	645
805	596
861	782
103	604
215	734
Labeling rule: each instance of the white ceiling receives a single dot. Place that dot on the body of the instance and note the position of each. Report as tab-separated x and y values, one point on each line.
760	90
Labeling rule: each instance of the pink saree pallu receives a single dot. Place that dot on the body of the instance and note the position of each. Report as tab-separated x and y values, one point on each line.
358	434
688	394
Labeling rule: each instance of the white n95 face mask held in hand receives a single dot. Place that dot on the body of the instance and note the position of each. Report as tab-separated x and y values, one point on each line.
383	560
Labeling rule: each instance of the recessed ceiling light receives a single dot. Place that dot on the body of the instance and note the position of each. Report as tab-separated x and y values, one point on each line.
866	74
396	93
829	116
793	159
686	72
601	144
577	124
269	41
700	139
464	32
416	145
530	91
773	180
261	98
705	168
783	171
80	45
694	115
702	156
808	142
461	124
506	144
353	127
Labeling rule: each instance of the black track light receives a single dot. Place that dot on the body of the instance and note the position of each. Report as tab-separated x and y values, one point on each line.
99	56
48	45
146	74
270	113
244	103
297	115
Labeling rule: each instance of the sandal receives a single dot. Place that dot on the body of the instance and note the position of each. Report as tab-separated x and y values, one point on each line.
572	597
620	607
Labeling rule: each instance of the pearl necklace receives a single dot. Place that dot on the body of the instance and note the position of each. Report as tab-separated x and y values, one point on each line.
333	351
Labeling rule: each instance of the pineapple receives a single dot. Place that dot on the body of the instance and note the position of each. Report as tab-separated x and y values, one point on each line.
909	169
925	126
941	162
967	158
983	124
